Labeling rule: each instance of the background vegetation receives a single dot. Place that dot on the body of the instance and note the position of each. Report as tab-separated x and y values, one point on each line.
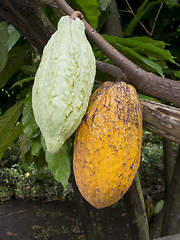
147	33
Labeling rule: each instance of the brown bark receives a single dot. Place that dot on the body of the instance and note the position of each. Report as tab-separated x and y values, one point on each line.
156	225
169	160
113	24
136	211
162	119
31	23
93	220
171	219
32	3
168	152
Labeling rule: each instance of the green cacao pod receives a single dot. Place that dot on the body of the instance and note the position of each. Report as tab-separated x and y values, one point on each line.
63	83
107	145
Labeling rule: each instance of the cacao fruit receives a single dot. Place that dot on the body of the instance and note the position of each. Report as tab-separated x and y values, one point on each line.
63	83
107	145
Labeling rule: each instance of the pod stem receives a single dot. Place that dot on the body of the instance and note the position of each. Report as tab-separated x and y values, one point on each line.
77	14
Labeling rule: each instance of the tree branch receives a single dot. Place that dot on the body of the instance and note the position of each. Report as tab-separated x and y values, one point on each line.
151	89
146	82
134	201
32	3
113	25
171	223
158	118
31	23
162	120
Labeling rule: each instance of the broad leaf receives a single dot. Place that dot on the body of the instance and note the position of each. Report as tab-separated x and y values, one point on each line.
29	123
145	97
145	39
171	3
36	145
27	160
103	4
150	49
13	36
153	65
19	83
29	69
8	120
24	144
146	55
90	8
59	164
177	74
3	44
11	138
40	160
14	63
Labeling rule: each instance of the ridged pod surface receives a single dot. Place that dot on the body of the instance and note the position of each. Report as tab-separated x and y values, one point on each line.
107	145
63	83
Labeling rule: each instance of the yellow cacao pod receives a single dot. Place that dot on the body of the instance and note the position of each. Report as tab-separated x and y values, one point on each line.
63	83
107	145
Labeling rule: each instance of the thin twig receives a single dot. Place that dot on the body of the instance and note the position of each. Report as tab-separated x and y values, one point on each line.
125	11
155	20
49	3
53	6
131	11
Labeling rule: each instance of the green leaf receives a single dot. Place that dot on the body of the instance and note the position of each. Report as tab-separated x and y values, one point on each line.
153	65
29	123
40	160
8	120
142	10
27	160
59	164
136	51
145	97
13	36
36	145
90	9
25	144
177	74
11	138
19	83
14	63
172	3
29	69
3	44
145	39
150	49
103	4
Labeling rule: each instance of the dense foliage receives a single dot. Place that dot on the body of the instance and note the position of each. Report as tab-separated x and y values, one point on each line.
150	30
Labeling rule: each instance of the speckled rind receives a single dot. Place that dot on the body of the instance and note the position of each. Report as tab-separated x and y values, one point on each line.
107	145
63	83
